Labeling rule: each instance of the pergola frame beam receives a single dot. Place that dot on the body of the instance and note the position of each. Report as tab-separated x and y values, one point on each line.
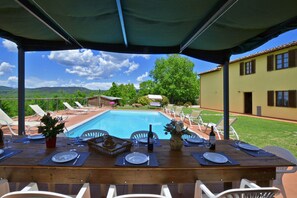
41	15
206	23
120	11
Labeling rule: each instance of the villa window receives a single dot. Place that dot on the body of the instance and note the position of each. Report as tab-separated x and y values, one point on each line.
247	68
282	61
286	98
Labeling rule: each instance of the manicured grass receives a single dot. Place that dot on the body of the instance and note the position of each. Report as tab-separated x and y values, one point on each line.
258	131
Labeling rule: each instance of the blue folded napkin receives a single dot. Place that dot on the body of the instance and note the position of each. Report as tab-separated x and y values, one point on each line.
199	157
120	161
259	153
8	153
81	160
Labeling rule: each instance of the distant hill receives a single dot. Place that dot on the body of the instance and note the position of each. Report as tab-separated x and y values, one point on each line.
8	92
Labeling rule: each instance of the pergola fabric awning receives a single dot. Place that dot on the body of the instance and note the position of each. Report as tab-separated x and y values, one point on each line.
208	30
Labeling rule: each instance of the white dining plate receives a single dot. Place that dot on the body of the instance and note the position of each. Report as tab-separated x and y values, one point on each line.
136	158
1	151
64	156
215	157
195	140
142	140
36	137
248	147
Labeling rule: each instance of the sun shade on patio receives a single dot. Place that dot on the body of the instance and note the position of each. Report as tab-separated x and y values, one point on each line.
208	30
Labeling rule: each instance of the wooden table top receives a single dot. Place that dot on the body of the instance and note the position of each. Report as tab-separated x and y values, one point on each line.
174	166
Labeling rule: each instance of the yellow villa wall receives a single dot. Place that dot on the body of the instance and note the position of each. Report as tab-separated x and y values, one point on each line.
258	83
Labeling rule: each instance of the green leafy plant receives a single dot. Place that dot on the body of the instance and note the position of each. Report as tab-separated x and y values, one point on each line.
51	126
176	128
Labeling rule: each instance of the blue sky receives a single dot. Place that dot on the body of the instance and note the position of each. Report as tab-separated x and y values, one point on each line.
94	69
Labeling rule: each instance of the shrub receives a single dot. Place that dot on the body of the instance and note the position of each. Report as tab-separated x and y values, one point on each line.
165	101
188	104
144	100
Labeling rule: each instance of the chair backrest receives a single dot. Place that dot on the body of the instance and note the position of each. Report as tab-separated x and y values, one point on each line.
285	154
4	118
165	193
68	106
263	192
79	105
178	109
220	124
195	113
30	194
142	134
94	133
37	110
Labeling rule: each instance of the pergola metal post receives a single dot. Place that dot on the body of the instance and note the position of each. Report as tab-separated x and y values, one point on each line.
226	99
21	90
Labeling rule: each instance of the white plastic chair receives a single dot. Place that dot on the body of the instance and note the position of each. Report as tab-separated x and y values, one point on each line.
80	106
93	133
142	134
178	111
165	193
247	189
31	190
280	171
219	128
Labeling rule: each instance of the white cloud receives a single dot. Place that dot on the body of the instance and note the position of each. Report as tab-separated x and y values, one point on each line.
5	67
141	78
86	64
11	46
13	79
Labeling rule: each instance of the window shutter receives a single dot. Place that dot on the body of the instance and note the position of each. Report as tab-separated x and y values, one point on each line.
253	66
241	69
270	63
292	98
270	98
293	58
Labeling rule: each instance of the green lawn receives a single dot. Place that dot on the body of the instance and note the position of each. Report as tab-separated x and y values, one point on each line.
259	131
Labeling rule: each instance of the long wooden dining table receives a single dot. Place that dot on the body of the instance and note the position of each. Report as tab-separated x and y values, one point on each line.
173	166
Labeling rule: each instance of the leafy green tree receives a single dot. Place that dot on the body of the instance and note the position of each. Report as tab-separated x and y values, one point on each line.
174	78
146	87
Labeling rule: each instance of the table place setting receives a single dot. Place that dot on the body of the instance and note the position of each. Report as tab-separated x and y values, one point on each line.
137	159
7	153
214	159
66	158
192	142
251	149
38	139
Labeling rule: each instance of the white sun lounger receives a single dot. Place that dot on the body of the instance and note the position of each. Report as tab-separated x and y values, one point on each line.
5	120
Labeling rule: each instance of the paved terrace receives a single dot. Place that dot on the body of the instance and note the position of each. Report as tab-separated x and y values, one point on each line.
289	180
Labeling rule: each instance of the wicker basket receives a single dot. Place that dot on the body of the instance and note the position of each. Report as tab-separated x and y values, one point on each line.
121	146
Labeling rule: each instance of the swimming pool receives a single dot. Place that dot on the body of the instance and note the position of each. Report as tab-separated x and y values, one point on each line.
123	123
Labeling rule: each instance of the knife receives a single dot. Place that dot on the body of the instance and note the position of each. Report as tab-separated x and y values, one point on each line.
76	159
7	155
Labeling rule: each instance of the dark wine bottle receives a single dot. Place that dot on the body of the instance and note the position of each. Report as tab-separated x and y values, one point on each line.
150	140
212	139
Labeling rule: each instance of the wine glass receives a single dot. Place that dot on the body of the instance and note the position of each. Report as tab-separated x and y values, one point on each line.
7	140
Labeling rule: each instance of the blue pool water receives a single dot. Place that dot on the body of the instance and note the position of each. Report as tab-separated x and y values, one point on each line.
123	123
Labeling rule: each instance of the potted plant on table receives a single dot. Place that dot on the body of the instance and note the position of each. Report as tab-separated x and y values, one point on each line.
176	129
50	128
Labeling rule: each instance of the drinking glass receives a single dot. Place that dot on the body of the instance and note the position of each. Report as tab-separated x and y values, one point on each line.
135	144
7	140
